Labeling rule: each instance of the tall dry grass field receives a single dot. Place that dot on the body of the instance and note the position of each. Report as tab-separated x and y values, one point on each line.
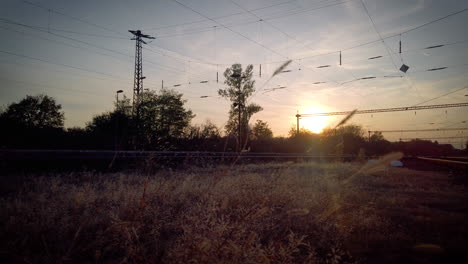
272	213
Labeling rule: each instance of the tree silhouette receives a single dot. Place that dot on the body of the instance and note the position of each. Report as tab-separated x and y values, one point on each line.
163	118
261	130
240	88
33	122
344	140
40	111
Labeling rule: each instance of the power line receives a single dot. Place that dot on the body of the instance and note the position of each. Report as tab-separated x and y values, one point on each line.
306	10
378	40
60	64
264	19
219	17
276	28
378	33
230	29
396	109
164	67
86	22
436	20
56	41
8	21
419	130
434	138
261	19
72	74
72	17
82	33
440	96
90	93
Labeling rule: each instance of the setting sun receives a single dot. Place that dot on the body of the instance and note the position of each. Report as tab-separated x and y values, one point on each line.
314	124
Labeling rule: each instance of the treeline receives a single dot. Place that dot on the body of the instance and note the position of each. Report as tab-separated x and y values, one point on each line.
37	122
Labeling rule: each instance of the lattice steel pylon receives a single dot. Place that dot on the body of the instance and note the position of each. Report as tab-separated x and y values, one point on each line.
138	79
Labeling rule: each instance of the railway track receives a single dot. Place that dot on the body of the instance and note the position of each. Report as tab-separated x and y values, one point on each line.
129	154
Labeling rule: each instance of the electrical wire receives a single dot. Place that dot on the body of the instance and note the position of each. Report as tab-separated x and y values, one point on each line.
48	9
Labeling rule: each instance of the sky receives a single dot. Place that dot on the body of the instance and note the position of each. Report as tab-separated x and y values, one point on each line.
81	53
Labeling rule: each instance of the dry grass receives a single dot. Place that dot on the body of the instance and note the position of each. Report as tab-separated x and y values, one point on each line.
276	213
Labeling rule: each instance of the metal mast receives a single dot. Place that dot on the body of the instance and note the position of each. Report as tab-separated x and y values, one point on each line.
138	79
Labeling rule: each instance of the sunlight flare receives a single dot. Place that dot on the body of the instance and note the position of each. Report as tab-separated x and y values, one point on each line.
315	124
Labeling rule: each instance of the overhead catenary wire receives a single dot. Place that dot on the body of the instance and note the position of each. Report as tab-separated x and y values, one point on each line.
164	67
345	49
61	89
395	109
48	9
271	18
219	17
170	69
230	29
433	138
443	95
68	44
419	130
203	77
61	64
294	12
377	40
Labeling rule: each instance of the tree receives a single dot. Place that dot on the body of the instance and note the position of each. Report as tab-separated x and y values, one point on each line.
304	141
347	139
40	111
205	131
109	130
240	88
203	137
163	118
33	122
261	130
302	132
377	145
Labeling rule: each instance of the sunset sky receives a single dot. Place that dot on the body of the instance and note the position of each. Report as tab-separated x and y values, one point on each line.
80	53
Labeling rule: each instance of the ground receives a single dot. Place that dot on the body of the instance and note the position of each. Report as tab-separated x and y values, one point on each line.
258	213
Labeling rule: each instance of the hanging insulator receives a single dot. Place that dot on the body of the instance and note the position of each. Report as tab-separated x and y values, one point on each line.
216	77
340	57
260	71
414	112
400	44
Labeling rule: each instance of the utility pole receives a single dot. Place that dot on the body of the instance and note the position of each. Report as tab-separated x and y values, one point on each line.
240	109
116	137
138	77
297	123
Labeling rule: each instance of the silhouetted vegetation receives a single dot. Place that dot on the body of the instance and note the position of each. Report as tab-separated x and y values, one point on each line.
36	122
240	88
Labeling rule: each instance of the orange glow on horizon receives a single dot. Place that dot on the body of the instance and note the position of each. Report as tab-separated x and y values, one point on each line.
314	124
